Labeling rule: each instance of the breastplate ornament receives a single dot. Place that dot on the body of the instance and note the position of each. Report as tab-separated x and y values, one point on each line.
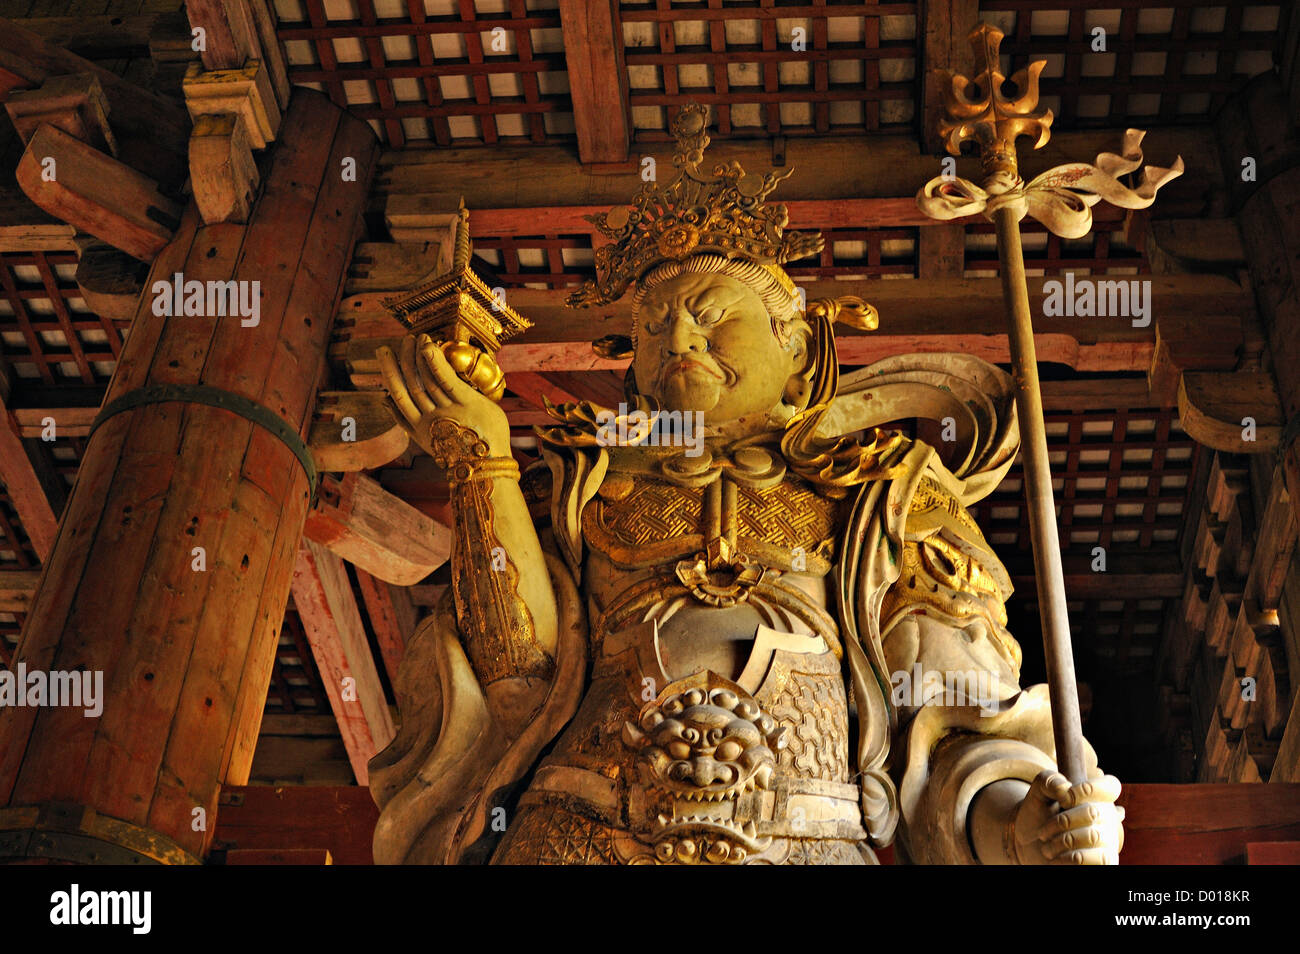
705	754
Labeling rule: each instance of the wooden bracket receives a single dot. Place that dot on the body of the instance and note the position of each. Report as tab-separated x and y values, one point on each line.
382	534
223	172
353	430
96	193
1213	408
74	103
110	281
245	92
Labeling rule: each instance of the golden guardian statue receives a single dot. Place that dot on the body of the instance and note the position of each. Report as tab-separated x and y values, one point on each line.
776	637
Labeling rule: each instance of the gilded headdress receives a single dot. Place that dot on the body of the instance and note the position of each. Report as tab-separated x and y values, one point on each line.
699	221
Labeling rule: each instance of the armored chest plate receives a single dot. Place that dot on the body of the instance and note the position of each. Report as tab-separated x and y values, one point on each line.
651	522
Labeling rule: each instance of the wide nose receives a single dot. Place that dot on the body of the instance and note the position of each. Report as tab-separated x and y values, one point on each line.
684	334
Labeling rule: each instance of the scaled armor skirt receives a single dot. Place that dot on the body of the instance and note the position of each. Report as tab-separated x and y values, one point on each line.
714	772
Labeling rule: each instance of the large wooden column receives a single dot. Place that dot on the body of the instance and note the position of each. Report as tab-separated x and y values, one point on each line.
172	565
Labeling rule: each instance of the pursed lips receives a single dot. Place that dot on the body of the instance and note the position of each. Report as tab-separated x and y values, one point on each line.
683	365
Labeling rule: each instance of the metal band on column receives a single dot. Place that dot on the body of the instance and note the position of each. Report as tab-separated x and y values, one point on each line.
263	417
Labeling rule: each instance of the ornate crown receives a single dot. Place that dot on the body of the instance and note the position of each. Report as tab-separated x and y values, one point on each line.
722	214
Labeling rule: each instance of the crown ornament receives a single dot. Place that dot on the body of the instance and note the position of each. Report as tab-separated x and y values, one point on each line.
722	213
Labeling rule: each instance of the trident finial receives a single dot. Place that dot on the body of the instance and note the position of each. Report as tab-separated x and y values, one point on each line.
976	109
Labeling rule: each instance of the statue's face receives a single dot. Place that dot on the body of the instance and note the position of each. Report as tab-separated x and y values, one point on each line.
705	343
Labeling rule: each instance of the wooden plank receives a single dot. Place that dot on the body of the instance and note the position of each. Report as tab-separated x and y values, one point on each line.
340	818
16	588
324	600
945	25
392	618
97	194
24	488
366	525
1205	824
593	51
824	169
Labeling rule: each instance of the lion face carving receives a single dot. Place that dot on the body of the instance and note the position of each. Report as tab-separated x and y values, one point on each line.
700	750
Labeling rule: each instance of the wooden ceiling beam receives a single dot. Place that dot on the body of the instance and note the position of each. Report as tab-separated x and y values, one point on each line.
945	25
363	523
238	31
593	51
415	182
23	485
68	421
533	387
322	595
1199	318
392	615
1132	574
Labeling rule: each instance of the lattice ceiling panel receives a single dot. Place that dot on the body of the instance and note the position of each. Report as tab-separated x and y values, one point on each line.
1164	62
769	69
1120	477
554	261
1102	252
47	334
1121	481
450	72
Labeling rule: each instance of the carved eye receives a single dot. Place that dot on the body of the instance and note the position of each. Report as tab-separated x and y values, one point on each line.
728	751
654	319
710	316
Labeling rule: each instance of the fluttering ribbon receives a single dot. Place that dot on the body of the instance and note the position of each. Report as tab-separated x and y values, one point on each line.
1061	198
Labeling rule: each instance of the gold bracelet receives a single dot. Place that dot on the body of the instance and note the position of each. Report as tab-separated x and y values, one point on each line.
464	455
482	468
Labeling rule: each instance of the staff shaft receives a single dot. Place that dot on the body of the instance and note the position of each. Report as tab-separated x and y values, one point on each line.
1066	724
